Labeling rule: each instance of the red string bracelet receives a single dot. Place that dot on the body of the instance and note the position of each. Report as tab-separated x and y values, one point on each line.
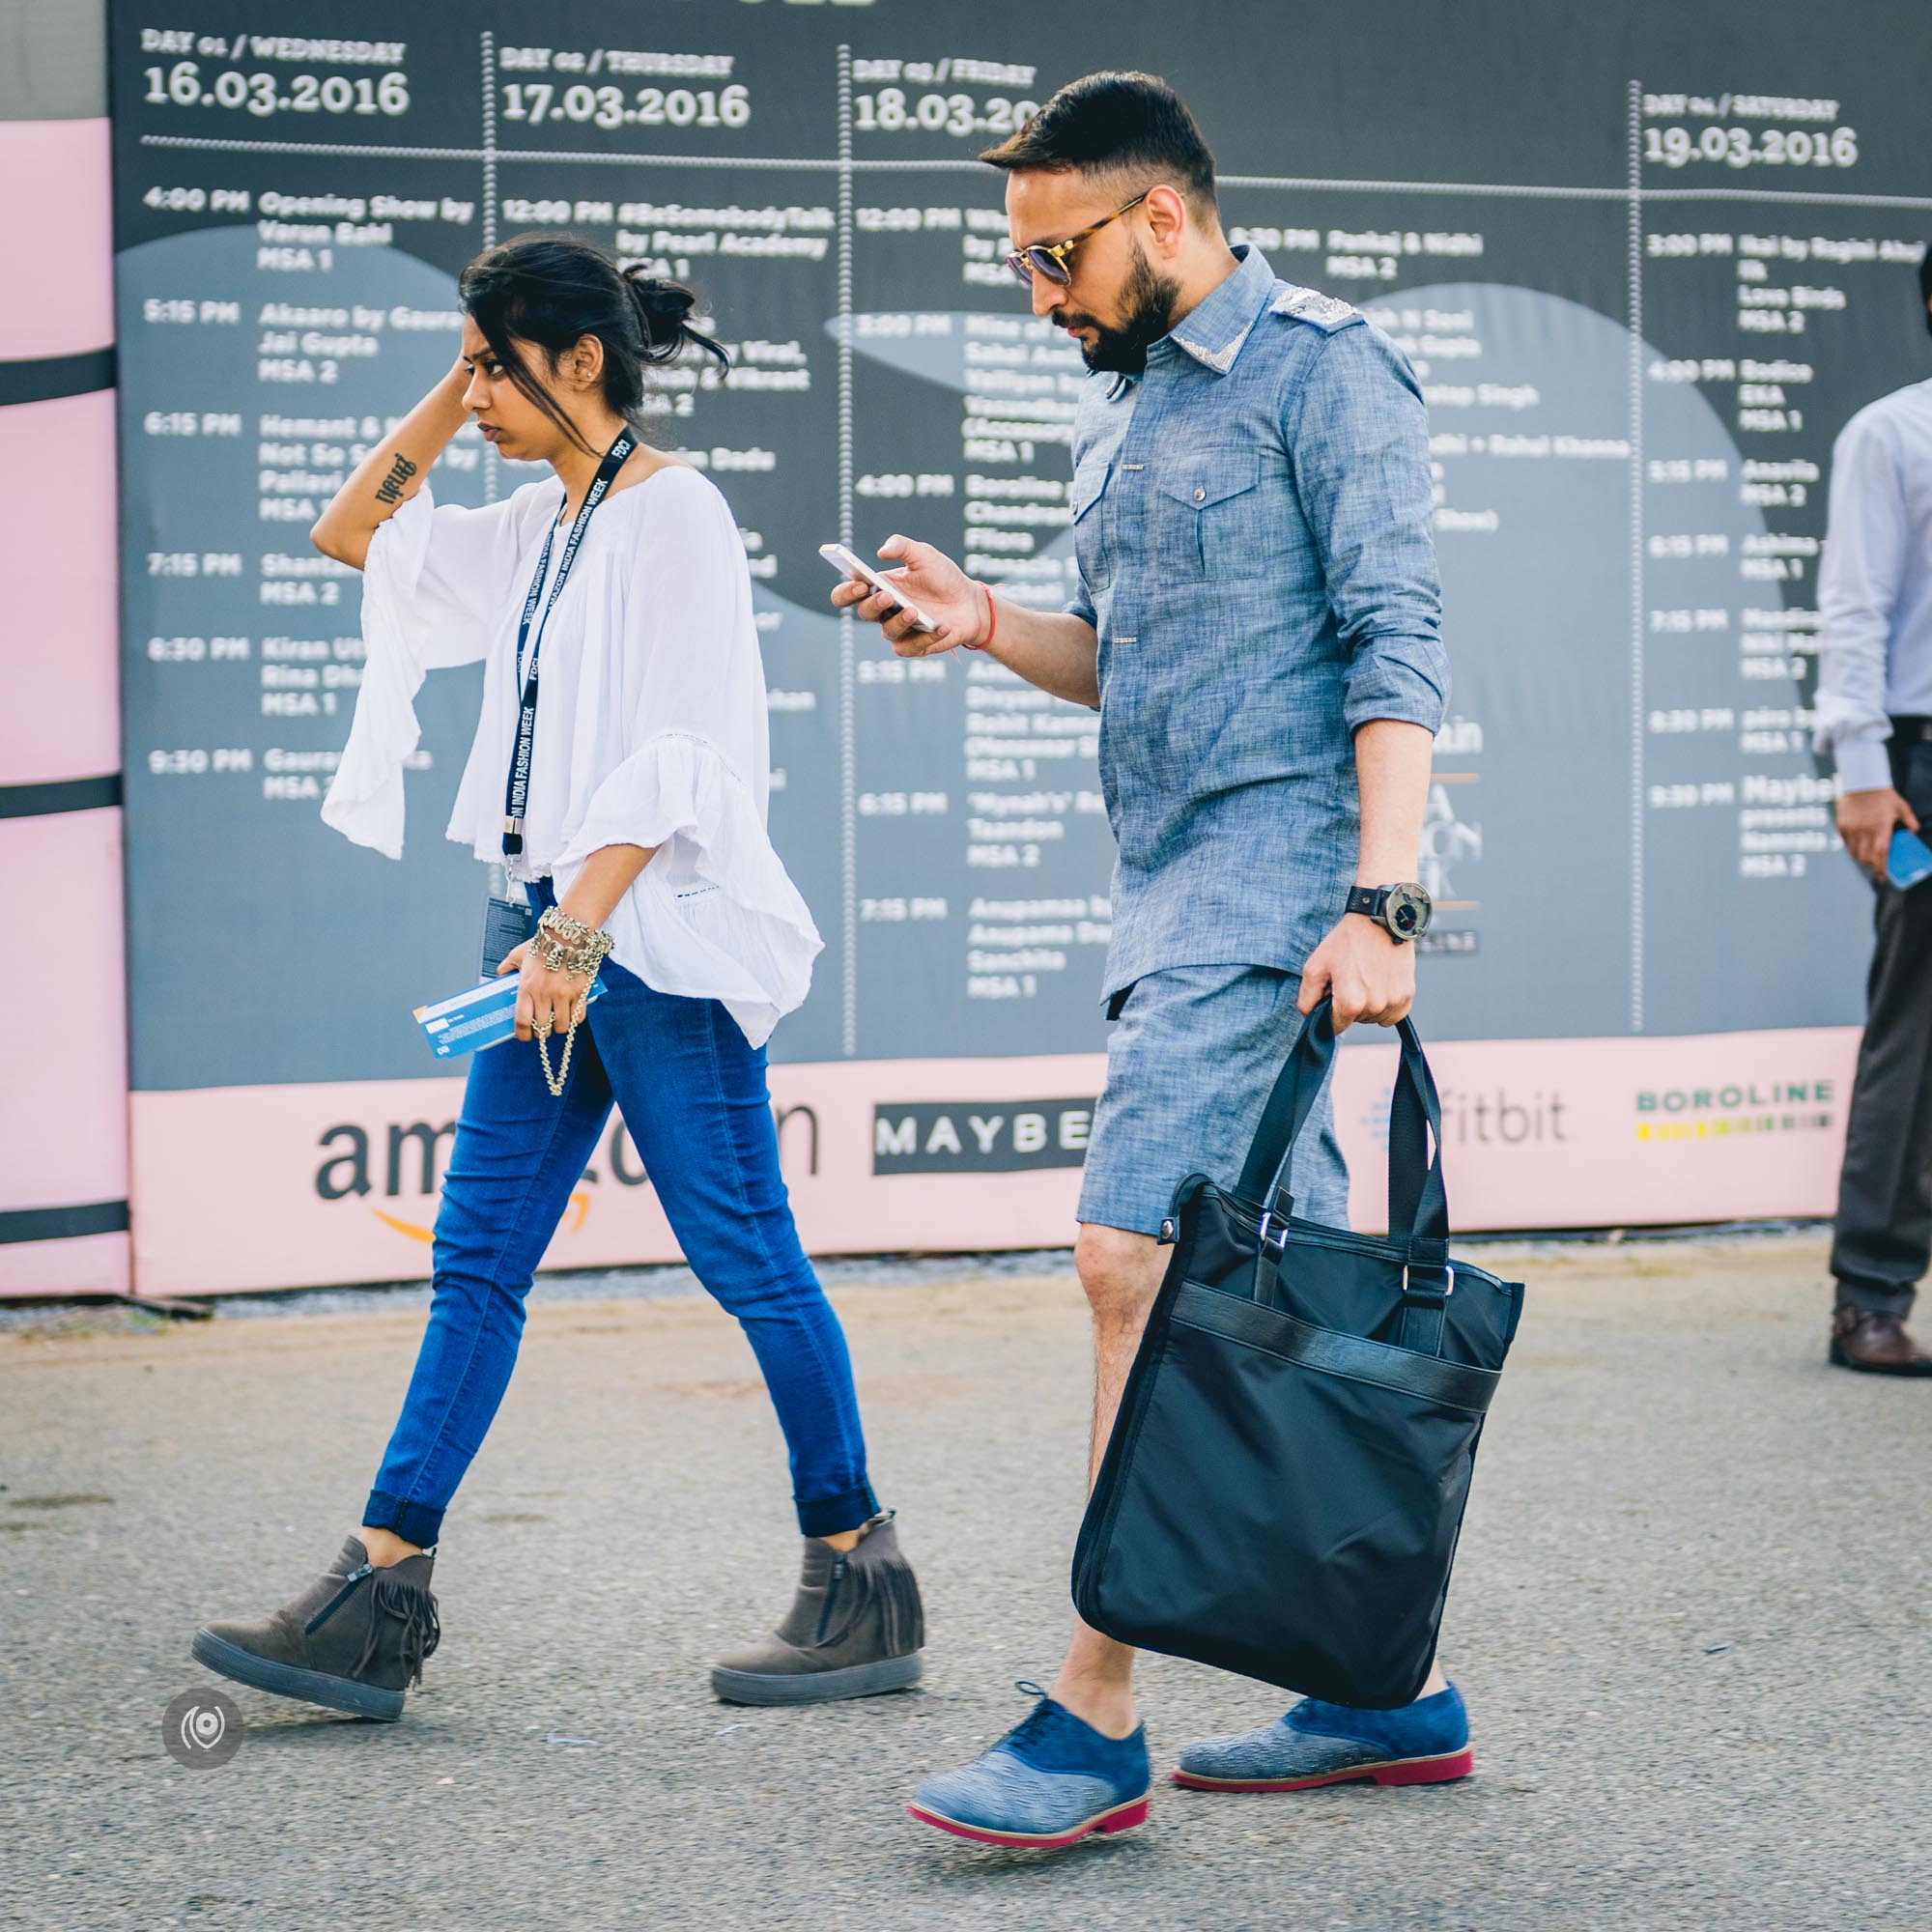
992	619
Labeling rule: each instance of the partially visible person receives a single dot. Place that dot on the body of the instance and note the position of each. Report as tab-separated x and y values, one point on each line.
1875	715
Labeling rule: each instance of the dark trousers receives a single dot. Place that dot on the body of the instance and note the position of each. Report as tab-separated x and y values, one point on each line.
1883	1240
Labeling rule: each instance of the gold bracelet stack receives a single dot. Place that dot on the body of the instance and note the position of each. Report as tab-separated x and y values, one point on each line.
566	945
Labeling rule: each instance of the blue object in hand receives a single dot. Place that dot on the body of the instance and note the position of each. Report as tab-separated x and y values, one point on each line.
1908	861
485	1015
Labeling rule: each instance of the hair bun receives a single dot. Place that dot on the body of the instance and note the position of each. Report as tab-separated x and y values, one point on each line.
663	318
661	301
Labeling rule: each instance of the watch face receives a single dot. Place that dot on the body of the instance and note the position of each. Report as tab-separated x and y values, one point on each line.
1409	911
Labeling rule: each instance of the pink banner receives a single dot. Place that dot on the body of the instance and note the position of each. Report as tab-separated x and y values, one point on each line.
57	547
61	244
288	1186
62	1085
82	1265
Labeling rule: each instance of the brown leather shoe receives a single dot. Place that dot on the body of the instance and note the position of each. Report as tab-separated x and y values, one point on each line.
1876	1343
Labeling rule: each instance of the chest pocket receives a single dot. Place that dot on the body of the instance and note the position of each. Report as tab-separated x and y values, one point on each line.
1202	505
1087	502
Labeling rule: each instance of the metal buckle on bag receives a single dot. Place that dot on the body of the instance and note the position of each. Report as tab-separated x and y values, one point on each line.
1278	1246
1448	1281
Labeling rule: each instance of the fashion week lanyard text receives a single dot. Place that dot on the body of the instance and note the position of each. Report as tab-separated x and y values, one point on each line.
517	792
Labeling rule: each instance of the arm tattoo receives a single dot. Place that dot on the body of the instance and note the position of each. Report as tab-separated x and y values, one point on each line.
391	489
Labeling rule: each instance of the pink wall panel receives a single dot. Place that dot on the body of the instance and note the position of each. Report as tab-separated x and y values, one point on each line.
61	641
67	238
64	1083
86	1264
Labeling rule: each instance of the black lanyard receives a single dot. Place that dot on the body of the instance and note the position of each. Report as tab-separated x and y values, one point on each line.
517	792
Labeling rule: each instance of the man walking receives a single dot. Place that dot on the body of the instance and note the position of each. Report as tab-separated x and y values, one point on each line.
1875	714
1256	620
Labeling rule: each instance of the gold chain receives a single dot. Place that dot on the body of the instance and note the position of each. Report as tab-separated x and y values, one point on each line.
555	1081
566	945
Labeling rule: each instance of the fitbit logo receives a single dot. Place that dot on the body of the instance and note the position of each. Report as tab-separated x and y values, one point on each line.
980	1136
1487	1117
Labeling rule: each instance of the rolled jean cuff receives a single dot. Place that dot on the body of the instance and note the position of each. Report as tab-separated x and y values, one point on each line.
1876	1297
828	1516
415	1523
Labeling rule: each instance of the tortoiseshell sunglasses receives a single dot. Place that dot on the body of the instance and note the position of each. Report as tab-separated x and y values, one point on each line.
1049	258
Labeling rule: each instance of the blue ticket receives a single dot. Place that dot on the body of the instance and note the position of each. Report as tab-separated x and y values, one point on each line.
485	1015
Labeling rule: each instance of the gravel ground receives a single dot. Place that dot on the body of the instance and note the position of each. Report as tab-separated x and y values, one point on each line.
1689	1617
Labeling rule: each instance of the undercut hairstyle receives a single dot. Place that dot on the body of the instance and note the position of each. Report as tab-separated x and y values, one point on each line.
553	290
1133	125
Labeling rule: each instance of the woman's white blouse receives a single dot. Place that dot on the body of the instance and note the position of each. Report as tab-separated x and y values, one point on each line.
651	730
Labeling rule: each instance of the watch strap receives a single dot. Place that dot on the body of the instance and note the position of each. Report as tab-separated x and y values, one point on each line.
1369	899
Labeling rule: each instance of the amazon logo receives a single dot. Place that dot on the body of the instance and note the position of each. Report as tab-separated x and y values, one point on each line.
408	1158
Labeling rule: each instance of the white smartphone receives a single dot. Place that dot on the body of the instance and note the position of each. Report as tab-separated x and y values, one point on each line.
849	563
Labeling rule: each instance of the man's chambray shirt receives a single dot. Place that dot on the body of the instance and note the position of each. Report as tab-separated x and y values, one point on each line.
1252	524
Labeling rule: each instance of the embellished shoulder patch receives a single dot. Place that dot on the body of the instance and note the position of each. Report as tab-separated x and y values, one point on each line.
1328	313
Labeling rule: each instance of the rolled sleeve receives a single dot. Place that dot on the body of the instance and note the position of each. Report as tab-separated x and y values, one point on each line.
1079	604
1359	443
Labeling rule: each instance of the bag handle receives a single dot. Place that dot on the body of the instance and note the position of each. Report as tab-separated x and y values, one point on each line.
1418	1207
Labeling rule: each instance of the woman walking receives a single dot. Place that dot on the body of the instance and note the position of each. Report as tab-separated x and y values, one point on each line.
627	809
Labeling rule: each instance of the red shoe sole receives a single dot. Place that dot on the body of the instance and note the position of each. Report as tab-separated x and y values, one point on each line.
1123	1818
1443	1770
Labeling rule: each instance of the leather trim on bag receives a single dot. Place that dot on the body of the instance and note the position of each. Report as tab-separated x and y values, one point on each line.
1328	1353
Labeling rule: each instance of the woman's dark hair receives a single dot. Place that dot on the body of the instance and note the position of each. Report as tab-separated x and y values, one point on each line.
553	289
1114	124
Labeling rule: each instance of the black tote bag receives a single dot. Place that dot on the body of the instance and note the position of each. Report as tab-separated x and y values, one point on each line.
1285	1483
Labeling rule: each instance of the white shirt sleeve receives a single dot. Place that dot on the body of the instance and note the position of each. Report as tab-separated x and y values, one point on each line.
714	915
1858	590
434	589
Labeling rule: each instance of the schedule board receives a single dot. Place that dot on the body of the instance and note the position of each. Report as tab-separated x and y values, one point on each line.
1645	261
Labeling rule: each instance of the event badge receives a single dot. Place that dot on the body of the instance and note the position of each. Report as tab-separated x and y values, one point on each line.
506	924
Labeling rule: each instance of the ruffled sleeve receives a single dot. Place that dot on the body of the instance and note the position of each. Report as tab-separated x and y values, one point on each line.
434	587
719	918
714	915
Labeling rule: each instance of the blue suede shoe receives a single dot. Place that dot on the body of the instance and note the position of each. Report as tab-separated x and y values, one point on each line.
1050	1780
1424	1743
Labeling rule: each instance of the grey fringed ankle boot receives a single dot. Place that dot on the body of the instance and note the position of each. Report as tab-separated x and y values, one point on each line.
354	1640
854	1628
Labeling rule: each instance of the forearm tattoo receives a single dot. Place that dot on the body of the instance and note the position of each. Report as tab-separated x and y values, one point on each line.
391	489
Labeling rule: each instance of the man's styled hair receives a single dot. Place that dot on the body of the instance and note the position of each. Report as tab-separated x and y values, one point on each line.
1130	124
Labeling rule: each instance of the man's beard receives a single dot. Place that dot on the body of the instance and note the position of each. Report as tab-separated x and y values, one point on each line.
1147	302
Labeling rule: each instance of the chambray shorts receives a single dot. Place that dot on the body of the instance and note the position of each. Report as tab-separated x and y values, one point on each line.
1191	1061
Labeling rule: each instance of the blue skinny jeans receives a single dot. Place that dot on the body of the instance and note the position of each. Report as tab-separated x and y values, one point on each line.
693	1096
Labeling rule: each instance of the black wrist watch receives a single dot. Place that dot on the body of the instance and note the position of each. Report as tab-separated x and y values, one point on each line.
1402	911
